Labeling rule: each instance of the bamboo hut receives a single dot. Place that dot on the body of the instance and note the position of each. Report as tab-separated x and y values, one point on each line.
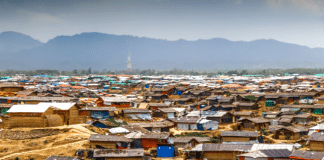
109	141
32	116
316	141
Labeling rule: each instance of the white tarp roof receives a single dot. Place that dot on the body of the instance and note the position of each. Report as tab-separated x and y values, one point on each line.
179	109
318	127
108	100
119	130
134	135
198	147
61	106
193	114
28	109
256	154
257	147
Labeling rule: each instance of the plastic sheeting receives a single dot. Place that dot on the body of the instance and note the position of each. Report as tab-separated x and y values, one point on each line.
171	115
100	114
144	116
118	130
132	116
182	126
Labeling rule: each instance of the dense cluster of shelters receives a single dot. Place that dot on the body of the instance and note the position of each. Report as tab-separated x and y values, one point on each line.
189	117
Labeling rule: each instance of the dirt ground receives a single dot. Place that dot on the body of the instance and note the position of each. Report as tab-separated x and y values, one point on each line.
63	144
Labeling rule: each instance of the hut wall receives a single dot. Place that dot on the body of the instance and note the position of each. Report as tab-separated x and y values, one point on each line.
316	145
320	101
183	145
11	89
77	120
150	143
49	111
85	113
53	120
64	115
123	158
157	114
295	136
225	155
74	111
109	145
236	139
26	122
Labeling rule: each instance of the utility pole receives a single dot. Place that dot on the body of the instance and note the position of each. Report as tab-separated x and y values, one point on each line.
129	65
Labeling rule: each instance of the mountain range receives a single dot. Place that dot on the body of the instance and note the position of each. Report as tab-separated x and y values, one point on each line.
105	51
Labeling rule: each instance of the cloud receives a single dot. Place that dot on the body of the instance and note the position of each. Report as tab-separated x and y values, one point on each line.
311	6
41	17
238	2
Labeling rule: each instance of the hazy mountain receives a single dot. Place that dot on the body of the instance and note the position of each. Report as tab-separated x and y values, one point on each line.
14	42
104	51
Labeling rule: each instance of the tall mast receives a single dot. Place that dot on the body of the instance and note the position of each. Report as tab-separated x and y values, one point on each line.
129	65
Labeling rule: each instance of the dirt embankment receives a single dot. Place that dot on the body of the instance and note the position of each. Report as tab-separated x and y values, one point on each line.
36	133
41	143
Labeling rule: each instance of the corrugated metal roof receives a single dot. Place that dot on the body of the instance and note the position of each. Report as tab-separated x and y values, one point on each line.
239	134
277	153
115	99
156	136
218	114
118	153
108	138
308	155
317	136
136	111
153	124
226	147
185	120
99	109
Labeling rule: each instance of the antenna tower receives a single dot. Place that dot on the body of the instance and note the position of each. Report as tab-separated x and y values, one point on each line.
129	65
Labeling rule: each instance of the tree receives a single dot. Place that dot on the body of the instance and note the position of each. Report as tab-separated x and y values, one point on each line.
251	98
75	71
244	72
89	70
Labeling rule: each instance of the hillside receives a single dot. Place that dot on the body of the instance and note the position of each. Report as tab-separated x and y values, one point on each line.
14	42
105	51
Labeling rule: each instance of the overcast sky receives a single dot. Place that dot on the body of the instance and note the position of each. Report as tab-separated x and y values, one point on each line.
293	21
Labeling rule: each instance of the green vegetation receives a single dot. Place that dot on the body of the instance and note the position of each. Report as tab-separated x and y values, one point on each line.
192	134
214	140
251	98
263	131
287	136
117	124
